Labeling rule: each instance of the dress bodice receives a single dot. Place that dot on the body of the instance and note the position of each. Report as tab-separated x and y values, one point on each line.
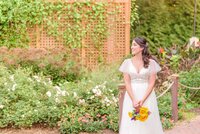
144	73
139	87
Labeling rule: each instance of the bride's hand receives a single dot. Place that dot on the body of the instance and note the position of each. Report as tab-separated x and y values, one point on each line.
141	102
136	105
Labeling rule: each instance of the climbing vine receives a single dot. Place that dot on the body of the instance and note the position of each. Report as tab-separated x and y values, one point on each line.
69	22
134	14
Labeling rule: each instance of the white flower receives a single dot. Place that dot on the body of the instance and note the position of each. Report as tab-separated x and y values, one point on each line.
92	97
14	86
48	94
5	83
97	86
67	93
104	82
1	106
37	78
58	88
30	79
63	93
75	94
44	83
107	100
108	104
57	100
114	99
110	90
96	91
49	81
12	77
81	101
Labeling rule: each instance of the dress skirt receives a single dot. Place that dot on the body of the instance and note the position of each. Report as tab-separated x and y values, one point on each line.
153	124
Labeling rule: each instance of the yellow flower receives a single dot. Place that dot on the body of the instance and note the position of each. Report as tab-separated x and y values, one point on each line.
143	117
137	118
143	110
130	114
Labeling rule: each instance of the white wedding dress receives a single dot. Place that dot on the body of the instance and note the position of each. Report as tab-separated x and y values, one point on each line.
139	85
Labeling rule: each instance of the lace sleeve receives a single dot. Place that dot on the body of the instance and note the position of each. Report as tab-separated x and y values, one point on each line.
124	66
154	67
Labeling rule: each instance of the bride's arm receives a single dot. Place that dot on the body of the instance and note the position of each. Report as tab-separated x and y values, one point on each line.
152	80
127	81
153	69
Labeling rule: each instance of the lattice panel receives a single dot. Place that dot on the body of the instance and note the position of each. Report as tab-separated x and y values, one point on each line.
32	36
116	46
122	34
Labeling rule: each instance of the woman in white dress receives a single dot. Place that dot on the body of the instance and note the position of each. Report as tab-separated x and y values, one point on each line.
139	73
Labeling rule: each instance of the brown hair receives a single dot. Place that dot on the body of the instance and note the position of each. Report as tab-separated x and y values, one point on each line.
142	42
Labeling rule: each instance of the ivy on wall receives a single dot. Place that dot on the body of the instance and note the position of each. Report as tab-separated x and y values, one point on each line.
134	14
78	19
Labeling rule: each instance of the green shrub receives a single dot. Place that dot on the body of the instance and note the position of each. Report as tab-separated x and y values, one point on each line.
24	99
192	79
88	105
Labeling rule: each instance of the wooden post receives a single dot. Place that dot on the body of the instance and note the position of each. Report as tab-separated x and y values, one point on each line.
122	89
174	93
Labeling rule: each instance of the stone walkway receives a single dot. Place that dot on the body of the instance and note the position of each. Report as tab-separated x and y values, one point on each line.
190	127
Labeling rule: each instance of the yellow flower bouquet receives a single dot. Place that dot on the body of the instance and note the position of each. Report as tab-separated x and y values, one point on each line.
141	115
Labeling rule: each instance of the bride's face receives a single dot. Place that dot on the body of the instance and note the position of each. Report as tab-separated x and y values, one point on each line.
135	48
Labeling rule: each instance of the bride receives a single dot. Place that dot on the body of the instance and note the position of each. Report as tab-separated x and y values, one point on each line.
139	74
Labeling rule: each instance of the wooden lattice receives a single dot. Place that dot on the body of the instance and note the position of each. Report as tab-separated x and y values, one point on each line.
116	46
